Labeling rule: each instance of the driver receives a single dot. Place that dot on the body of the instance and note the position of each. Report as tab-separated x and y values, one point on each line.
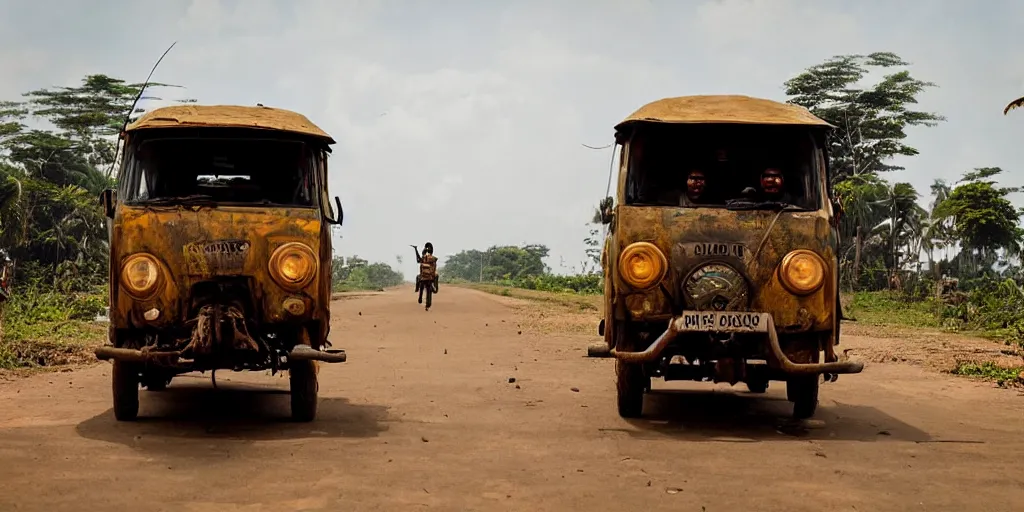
428	269
773	186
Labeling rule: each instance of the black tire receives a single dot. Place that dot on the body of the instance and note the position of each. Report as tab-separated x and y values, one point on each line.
437	285
430	293
803	392
304	387
125	384
757	386
630	385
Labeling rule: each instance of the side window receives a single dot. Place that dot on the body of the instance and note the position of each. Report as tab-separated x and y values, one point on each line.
325	195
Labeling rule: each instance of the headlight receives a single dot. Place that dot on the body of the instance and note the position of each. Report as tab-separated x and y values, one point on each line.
802	272
642	265
293	265
139	274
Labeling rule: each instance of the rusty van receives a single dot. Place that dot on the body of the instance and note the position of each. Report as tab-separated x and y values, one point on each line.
220	250
720	264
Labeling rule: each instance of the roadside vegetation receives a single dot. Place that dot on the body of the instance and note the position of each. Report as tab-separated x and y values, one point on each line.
356	274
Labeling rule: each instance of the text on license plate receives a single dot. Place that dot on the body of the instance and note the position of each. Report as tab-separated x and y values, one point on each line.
722	321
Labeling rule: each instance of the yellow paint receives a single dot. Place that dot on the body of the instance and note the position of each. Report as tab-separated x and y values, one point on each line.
675	230
166	232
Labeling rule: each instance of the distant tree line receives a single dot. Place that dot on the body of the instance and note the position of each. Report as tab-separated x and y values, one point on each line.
355	273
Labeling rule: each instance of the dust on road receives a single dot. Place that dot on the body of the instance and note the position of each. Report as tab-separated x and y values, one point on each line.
454	409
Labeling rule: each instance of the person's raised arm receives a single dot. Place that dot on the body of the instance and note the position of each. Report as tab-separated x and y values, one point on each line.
417	249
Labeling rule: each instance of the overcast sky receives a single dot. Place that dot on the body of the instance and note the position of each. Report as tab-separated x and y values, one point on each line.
461	122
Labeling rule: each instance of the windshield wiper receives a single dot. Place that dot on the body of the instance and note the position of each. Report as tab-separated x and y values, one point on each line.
743	204
192	199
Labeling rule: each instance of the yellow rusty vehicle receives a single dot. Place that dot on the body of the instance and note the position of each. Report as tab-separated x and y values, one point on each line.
721	255
220	250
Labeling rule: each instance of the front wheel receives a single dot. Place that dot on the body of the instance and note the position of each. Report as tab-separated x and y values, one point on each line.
125	384
757	386
630	386
303	383
430	294
803	392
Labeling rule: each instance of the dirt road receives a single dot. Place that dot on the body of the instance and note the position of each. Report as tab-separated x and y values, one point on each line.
425	416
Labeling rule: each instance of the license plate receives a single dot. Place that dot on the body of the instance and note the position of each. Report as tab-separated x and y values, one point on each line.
721	321
218	257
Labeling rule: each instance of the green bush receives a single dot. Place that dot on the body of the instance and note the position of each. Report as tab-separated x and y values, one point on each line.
584	284
993	307
42	328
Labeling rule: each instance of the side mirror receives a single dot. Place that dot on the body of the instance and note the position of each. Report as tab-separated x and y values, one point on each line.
339	216
108	198
607	215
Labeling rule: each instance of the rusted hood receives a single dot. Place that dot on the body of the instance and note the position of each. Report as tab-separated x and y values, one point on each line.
757	238
194	242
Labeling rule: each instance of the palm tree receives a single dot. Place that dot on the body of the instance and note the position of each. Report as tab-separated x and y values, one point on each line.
901	229
860	196
10	208
936	228
1017	103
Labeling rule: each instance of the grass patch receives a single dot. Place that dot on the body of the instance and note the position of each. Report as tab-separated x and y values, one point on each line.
570	300
891	309
1001	375
41	329
542	312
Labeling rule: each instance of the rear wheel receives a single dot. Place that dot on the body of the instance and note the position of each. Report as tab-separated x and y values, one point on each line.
430	293
630	385
125	380
304	386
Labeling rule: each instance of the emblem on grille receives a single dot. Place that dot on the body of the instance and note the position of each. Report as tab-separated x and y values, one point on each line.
221	256
716	287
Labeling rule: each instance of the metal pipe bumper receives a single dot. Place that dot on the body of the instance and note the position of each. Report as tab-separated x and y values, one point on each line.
131	355
765	325
307	353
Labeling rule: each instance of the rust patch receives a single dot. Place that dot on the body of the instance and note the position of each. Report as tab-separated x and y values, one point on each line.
691	237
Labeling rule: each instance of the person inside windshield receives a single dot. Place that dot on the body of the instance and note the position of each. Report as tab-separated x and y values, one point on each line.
695	186
428	269
773	186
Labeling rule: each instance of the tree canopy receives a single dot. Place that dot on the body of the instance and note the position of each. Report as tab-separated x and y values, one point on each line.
50	222
497	262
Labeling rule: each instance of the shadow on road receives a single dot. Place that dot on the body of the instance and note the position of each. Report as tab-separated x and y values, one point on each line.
698	415
233	411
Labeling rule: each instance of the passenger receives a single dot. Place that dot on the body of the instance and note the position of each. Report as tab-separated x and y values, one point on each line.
773	186
695	185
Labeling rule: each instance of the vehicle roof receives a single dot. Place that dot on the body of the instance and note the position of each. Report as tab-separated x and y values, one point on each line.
722	109
229	116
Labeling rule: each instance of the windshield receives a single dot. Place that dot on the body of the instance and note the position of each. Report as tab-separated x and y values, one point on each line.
724	166
238	170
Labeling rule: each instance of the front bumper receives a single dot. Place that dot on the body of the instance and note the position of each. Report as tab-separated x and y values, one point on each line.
173	358
735	322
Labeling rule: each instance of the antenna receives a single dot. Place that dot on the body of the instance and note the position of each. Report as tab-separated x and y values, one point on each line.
135	102
144	85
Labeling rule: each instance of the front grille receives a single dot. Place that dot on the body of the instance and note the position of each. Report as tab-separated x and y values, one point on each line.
716	287
235	291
